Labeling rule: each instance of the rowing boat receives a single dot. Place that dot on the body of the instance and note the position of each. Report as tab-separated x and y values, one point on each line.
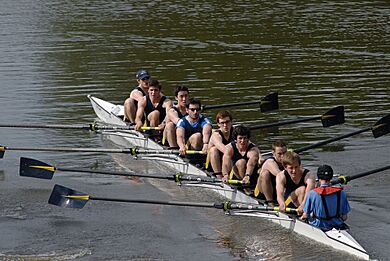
112	114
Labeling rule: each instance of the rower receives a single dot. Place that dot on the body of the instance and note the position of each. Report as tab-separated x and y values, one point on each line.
270	169
293	183
153	107
136	95
241	157
194	130
218	141
174	114
326	206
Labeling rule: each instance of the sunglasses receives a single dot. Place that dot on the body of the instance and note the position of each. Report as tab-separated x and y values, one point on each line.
145	79
194	109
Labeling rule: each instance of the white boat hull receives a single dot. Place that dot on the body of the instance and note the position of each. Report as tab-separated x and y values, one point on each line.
338	239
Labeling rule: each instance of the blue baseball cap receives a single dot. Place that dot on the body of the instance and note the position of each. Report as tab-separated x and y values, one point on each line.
142	74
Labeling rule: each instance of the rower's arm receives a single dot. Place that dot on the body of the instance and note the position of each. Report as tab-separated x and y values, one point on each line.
216	140
280	187
172	116
253	159
140	113
310	184
227	161
136	95
180	135
271	166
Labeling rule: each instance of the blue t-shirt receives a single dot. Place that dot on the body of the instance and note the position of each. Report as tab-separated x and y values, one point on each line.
203	122
313	205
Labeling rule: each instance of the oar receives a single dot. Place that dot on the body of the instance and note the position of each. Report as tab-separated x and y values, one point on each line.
91	127
380	128
38	169
267	103
332	117
345	179
133	151
69	198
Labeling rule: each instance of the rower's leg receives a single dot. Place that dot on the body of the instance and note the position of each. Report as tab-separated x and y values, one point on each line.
266	184
154	118
130	109
170	134
196	141
298	195
241	168
215	160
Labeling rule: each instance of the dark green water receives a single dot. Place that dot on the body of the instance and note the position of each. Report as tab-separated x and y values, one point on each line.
315	54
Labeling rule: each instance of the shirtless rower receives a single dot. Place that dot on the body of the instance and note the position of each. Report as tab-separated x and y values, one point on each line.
241	157
177	112
270	169
293	182
218	141
154	106
193	129
136	95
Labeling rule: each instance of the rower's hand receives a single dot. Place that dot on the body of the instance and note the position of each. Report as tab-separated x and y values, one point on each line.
182	151
304	216
300	210
161	126
205	148
138	125
225	178
246	180
282	207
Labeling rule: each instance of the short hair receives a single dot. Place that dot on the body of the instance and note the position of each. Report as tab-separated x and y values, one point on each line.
279	144
194	102
290	158
223	114
180	88
155	83
242	131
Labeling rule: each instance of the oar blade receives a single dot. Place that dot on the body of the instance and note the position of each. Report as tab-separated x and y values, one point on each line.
35	168
62	196
2	151
269	102
333	117
381	127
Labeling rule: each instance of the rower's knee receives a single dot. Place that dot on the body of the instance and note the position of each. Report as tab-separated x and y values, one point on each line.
196	141
214	152
241	164
154	118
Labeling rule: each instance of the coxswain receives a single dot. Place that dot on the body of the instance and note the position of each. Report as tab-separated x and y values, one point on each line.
241	157
270	168
293	183
218	141
136	95
194	130
177	112
326	206
153	107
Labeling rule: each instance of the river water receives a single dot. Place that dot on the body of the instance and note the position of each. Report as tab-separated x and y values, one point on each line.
315	54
